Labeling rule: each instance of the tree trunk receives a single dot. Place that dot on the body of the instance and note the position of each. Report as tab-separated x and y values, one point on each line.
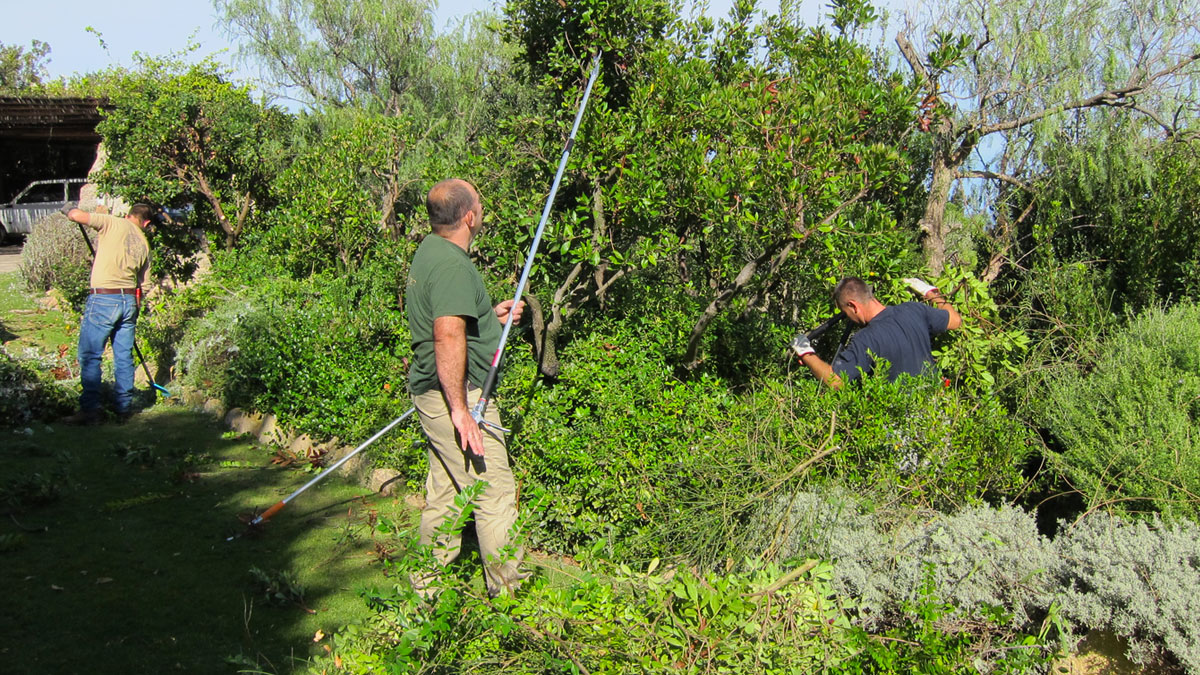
933	221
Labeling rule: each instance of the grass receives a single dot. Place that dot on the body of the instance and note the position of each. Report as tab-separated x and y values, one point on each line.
113	543
26	325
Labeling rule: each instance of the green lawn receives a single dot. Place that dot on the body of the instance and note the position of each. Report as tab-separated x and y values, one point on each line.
113	543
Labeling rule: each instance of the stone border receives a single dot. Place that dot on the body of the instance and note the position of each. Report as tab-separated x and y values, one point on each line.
266	430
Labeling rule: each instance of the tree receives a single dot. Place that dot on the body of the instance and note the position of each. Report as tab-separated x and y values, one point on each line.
384	58
998	76
21	68
731	179
182	134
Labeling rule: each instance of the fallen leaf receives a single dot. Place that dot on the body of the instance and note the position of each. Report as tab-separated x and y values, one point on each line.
104	580
318	636
56	588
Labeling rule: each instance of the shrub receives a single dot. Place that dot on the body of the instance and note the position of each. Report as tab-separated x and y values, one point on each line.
911	443
27	394
1138	580
325	355
598	440
1125	431
55	256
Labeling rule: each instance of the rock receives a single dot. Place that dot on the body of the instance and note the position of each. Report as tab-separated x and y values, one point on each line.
417	501
52	300
214	407
386	482
193	398
301	446
243	422
270	433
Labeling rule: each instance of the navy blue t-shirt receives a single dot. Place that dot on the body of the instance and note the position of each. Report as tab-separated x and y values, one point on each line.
900	334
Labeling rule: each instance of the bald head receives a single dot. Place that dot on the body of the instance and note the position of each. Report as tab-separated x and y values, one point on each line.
448	202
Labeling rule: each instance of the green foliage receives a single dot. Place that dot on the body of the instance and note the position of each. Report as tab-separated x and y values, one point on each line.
27	393
1139	198
182	134
325	355
21	492
56	256
22	69
984	346
596	442
278	588
1137	580
332	196
614	620
1124	431
927	643
909	443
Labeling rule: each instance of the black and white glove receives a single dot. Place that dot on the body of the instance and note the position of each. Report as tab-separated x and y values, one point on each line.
802	345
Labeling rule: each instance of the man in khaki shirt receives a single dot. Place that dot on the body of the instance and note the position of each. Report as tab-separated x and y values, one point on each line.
118	271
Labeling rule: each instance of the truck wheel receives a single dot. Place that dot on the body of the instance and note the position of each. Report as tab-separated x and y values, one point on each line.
3	234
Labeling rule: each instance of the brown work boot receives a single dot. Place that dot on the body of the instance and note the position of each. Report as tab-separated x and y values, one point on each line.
84	418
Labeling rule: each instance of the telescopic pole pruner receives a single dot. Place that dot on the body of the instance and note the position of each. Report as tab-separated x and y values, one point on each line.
481	407
477	413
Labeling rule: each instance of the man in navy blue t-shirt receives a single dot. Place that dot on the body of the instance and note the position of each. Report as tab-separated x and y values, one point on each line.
900	333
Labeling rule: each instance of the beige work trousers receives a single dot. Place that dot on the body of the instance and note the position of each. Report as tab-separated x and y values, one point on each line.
451	469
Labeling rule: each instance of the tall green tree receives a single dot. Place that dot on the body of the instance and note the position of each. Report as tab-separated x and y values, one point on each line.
998	77
182	134
735	166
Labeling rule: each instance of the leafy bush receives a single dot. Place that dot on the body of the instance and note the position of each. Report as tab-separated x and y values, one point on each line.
1125	431
27	394
986	562
325	355
597	441
55	256
1138	580
910	443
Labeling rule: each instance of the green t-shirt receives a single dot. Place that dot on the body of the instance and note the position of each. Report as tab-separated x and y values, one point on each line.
442	281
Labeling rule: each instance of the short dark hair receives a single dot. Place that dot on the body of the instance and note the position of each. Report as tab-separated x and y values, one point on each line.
448	201
144	212
852	288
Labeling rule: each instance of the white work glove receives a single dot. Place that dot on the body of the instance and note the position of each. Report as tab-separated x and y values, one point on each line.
802	345
919	287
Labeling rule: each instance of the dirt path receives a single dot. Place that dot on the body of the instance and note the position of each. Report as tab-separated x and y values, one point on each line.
10	258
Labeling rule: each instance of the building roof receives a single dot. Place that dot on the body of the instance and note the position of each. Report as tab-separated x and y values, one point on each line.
41	118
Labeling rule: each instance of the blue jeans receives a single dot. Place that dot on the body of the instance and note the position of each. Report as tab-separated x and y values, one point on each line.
107	317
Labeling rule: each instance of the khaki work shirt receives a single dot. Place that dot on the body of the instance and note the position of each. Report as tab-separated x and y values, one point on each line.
122	253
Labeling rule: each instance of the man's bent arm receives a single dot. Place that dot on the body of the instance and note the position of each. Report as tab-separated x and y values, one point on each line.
938	300
821	370
82	217
450	354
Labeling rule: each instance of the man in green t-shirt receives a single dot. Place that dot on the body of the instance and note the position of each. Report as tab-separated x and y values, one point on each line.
455	334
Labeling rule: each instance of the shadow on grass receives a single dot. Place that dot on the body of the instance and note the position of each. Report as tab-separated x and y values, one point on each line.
128	569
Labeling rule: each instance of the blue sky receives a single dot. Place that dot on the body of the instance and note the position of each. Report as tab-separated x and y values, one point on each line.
156	27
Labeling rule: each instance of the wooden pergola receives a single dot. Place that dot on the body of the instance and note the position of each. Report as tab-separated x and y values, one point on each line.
25	118
43	137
